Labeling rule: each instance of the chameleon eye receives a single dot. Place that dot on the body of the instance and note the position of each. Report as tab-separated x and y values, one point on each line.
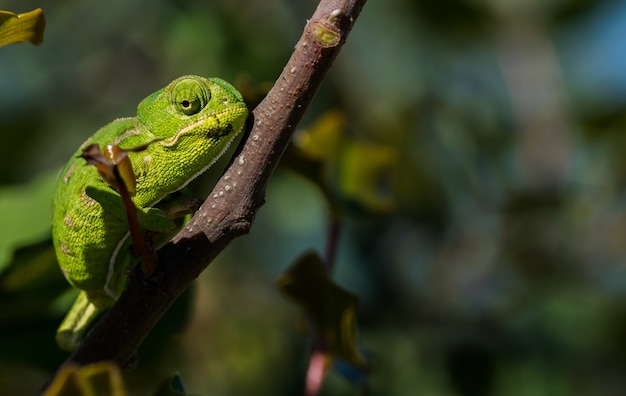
189	96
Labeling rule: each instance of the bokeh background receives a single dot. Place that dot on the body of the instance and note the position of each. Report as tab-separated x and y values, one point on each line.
475	159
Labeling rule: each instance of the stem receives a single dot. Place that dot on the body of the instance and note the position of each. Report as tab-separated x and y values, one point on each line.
149	259
332	240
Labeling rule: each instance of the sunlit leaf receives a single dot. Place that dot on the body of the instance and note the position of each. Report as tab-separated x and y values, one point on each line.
366	175
98	379
322	140
330	308
16	28
358	173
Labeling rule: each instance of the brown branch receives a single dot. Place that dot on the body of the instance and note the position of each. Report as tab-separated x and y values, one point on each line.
229	210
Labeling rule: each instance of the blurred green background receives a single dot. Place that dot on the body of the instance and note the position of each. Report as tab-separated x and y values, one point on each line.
479	173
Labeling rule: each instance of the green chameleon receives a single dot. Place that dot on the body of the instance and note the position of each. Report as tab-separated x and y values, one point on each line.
188	125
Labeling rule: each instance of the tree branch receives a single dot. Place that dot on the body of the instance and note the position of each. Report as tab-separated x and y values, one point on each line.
229	210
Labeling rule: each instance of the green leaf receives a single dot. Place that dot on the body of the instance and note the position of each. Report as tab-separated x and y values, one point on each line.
15	28
25	214
32	268
330	308
323	139
357	173
366	175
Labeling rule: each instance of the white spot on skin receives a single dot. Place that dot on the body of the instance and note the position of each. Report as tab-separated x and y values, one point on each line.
293	70
226	177
255	137
69	221
335	13
213	206
241	160
147	158
69	172
64	249
227	188
221	193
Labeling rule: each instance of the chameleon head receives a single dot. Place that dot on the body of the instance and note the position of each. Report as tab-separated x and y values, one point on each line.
194	116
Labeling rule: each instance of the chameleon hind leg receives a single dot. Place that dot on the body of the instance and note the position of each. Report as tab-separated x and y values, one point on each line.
86	308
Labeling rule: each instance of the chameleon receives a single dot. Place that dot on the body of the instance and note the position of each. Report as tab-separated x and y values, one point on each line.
186	126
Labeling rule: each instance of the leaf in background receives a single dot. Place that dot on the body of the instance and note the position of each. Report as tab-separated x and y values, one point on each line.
15	28
98	379
330	308
33	268
366	175
173	386
323	139
32	290
25	214
358	173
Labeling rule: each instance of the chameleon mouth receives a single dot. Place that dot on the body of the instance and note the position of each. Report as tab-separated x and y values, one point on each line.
213	121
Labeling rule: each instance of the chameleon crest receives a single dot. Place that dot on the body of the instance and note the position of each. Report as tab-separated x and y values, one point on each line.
188	125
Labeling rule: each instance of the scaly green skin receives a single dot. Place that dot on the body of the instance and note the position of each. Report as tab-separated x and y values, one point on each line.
196	118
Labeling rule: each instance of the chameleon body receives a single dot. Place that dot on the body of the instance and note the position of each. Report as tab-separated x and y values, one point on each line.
188	124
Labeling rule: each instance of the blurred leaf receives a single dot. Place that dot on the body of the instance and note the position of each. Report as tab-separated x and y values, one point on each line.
252	91
31	268
366	175
331	309
173	386
359	173
355	375
322	140
15	28
98	379
31	293
25	214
